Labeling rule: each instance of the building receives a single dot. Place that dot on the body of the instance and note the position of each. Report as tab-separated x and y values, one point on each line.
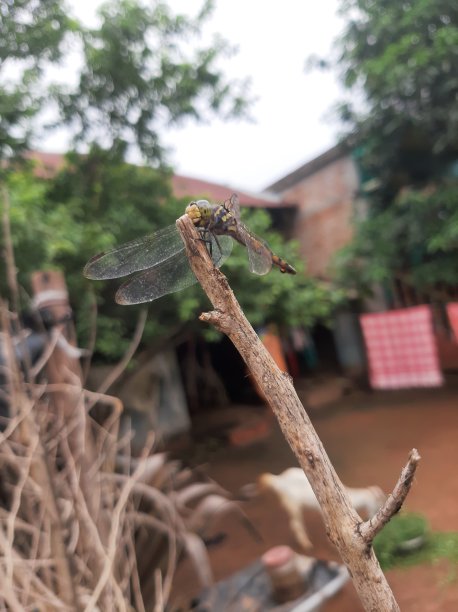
324	191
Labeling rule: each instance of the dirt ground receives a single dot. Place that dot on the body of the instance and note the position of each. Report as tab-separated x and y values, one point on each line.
368	437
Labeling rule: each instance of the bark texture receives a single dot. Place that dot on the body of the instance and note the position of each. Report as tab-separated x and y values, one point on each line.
351	536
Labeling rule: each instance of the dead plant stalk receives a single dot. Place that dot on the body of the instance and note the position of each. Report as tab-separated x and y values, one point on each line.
346	530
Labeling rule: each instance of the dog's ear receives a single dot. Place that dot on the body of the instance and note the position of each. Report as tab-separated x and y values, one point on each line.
265	481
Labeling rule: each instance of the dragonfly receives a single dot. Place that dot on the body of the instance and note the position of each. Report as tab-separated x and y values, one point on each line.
160	259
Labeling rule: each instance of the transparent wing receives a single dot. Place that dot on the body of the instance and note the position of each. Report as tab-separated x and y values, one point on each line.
233	205
169	276
259	253
221	248
136	255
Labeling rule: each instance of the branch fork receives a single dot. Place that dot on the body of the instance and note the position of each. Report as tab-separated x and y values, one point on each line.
369	529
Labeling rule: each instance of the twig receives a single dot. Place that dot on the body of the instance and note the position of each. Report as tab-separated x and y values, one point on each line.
41	590
159	605
11	270
113	536
8	594
393	503
137	596
121	366
89	529
92	338
17	496
45	356
341	519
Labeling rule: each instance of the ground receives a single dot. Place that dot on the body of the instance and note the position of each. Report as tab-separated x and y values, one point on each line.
368	438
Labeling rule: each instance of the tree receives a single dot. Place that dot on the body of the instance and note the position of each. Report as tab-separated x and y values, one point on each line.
139	75
399	62
32	35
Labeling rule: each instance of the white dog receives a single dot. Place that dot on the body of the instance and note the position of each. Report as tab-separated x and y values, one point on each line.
295	495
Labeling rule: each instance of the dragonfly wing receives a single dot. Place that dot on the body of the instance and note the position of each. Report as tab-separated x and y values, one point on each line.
169	276
136	255
233	205
259	253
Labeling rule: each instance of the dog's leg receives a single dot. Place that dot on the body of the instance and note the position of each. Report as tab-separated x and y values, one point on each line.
297	525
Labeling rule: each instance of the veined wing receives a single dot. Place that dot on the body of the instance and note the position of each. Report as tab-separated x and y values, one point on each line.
233	206
136	255
170	276
259	252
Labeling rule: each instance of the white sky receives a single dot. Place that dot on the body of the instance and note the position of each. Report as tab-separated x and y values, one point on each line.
292	121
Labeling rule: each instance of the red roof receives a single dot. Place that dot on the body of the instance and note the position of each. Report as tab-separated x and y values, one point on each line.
186	186
48	164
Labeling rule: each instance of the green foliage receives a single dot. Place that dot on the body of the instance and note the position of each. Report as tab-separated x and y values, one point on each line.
401	528
388	544
417	235
110	202
32	33
402	57
39	232
398	60
139	76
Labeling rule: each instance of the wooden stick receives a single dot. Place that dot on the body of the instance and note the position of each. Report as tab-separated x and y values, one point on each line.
393	503
343	525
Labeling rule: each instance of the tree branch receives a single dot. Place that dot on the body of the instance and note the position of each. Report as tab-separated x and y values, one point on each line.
343	525
393	503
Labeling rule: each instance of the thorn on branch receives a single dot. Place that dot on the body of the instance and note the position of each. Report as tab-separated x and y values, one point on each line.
369	529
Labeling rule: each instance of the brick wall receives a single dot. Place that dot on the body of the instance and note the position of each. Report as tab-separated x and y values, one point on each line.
326	202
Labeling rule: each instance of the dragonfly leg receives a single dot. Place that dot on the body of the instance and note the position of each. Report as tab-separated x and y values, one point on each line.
217	243
204	233
210	239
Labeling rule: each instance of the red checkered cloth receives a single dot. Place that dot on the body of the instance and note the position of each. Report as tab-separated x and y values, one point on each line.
452	312
401	349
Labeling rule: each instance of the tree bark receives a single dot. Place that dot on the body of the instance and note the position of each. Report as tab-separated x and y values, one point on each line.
344	527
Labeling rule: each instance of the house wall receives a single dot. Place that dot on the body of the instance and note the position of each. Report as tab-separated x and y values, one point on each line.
326	201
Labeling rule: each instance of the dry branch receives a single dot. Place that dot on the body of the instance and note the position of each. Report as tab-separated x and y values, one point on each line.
394	502
343	525
117	371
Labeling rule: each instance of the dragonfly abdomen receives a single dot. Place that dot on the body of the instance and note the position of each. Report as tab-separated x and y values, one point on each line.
282	264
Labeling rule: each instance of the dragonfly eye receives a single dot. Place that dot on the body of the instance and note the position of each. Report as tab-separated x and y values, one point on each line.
193	211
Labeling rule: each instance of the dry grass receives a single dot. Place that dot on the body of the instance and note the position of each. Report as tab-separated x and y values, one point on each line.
83	524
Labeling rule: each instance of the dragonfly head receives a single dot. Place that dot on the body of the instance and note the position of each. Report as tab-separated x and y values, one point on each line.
199	212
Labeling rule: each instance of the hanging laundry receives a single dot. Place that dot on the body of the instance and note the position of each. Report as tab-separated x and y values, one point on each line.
452	312
401	349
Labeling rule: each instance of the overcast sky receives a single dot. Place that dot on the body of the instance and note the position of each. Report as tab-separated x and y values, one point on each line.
292	121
